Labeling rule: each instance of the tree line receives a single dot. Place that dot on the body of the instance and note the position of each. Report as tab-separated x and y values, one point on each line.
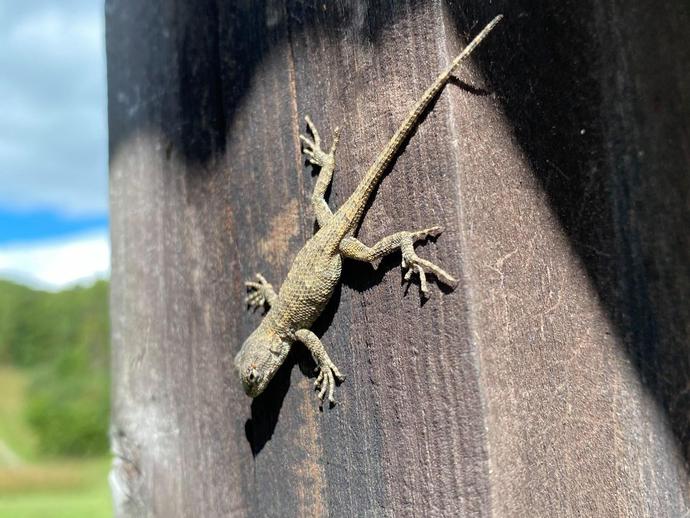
62	341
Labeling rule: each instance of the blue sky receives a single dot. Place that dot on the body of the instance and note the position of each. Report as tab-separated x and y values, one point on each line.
53	142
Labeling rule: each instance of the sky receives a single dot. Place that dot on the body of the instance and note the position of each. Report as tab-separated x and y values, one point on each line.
53	143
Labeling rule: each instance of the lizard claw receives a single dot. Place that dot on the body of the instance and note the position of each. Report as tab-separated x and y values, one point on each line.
312	148
325	382
258	291
416	264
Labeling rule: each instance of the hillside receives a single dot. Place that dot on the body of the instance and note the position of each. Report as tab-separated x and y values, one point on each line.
61	343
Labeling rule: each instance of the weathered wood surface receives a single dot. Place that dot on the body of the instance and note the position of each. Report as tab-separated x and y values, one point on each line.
552	382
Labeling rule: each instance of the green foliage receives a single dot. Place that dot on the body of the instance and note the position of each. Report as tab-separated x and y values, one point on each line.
69	414
12	298
37	327
63	338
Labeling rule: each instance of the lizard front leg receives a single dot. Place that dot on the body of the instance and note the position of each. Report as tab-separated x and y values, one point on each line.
326	161
328	372
260	292
355	249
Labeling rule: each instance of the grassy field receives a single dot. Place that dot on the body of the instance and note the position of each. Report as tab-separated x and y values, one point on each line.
15	435
34	487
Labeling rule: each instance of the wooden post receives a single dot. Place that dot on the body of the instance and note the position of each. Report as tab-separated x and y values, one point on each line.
551	382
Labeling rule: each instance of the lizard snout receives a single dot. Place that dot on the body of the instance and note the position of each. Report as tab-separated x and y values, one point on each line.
251	381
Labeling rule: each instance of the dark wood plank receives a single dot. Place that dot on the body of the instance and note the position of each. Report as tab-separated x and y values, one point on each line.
574	200
551	382
411	406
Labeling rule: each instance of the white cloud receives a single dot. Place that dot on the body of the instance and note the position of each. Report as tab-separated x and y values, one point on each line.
53	134
57	264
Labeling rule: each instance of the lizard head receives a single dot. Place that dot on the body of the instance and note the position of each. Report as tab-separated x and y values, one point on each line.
258	360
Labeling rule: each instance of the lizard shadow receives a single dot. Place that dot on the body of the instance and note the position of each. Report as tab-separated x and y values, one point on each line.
265	408
474	90
362	276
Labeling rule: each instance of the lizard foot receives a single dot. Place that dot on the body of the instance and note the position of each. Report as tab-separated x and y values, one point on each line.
325	382
312	148
414	263
260	292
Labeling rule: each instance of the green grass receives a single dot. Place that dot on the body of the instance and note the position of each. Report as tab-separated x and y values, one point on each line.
74	489
34	487
15	433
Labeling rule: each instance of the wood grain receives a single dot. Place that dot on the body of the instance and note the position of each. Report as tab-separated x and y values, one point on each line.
551	382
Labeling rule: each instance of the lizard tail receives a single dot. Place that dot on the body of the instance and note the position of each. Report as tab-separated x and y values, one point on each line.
355	204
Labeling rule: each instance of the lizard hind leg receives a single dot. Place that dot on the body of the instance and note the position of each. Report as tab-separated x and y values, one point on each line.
324	160
355	249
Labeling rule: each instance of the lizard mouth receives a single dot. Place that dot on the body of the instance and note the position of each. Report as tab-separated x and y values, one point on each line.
252	390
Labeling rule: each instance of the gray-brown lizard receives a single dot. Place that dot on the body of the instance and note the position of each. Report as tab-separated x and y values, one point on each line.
317	267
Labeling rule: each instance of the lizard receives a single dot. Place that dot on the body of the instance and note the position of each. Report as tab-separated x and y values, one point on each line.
317	267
